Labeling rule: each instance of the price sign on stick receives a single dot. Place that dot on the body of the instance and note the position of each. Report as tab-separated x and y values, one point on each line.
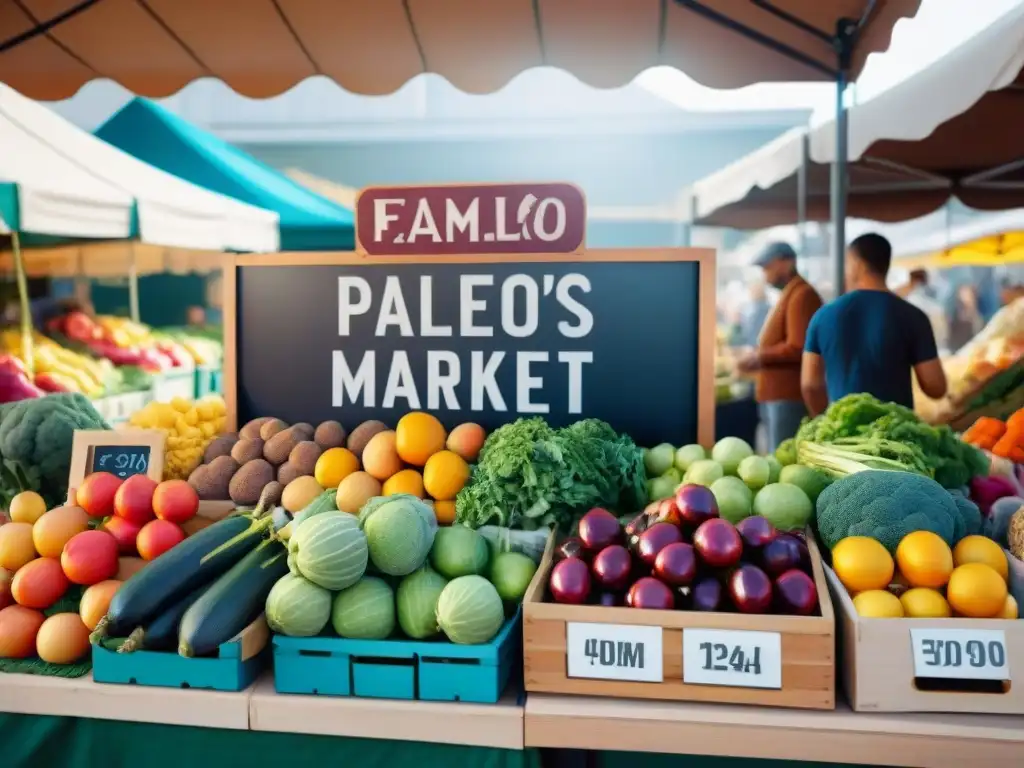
960	654
127	453
121	460
614	652
735	658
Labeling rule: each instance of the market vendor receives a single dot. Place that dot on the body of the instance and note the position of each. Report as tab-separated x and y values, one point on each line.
777	356
870	340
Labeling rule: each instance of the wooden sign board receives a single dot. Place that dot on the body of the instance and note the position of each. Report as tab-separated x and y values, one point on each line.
543	217
626	336
122	453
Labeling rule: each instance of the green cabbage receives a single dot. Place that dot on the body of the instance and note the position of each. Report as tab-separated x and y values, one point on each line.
399	530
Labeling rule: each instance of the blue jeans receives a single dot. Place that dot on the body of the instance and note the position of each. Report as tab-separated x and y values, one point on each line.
781	419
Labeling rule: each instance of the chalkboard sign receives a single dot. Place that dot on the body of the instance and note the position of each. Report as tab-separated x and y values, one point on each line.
121	460
121	453
623	336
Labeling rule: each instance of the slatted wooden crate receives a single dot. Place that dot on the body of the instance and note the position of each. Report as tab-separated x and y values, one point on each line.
806	666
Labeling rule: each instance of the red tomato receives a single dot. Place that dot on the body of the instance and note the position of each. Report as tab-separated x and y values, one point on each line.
96	494
156	537
125	531
134	499
175	501
90	557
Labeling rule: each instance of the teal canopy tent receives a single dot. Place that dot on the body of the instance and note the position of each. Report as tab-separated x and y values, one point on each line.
308	221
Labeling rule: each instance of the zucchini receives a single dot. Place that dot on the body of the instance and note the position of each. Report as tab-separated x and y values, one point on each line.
234	601
177	573
161	634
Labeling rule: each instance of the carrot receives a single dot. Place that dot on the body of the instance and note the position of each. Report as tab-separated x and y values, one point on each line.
1016	420
985	433
1010	443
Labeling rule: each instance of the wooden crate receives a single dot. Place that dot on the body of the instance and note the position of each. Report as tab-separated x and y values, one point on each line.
878	669
806	649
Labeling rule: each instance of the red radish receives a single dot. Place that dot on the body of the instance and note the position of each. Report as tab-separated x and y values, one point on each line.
650	593
612	567
718	543
125	531
96	494
156	537
599	528
750	589
175	501
655	539
90	557
696	504
134	499
795	593
570	581
676	564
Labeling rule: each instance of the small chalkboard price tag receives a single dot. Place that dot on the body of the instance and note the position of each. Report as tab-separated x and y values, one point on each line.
960	654
735	658
121	453
121	460
614	652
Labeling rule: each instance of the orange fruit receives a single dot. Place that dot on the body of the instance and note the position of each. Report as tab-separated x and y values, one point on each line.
405	481
976	590
878	604
466	440
96	601
925	559
444	511
862	564
39	584
444	475
334	465
380	457
57	527
419	436
27	507
16	547
924	603
1009	609
18	629
62	639
981	549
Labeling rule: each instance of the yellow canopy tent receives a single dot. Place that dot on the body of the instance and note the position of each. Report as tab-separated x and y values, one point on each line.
989	251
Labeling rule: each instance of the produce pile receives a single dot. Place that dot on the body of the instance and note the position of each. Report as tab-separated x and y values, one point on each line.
189	427
859	432
56	369
1003	438
295	464
680	555
743	483
390	571
531	476
59	568
120	341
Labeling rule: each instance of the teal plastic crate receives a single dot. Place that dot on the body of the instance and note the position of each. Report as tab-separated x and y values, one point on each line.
398	669
204	376
237	665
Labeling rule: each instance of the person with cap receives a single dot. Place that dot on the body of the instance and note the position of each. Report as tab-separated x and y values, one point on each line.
778	354
869	340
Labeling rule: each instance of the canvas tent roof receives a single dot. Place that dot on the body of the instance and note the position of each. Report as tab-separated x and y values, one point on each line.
951	130
264	47
169	210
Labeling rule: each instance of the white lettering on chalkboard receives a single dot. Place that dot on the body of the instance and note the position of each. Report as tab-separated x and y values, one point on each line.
469	306
427	327
439	383
519	316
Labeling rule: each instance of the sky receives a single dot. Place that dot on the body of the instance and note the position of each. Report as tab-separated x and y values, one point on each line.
938	26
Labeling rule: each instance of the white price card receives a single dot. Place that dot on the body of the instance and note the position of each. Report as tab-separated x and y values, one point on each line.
614	652
960	654
735	658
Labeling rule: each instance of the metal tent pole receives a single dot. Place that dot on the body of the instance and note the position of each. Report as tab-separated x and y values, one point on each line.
801	204
846	34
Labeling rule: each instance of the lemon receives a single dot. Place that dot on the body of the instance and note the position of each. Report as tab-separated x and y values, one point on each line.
333	466
404	481
1009	609
981	549
925	559
862	564
977	590
878	604
27	507
444	475
924	603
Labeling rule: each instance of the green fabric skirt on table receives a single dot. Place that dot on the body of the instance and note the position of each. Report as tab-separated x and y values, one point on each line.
29	741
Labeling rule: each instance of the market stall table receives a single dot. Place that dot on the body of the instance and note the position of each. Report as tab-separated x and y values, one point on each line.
841	736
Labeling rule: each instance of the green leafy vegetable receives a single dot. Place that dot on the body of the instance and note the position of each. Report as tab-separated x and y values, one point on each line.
865	425
530	475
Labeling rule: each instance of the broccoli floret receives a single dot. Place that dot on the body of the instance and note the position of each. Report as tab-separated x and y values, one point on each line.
969	519
885	506
36	437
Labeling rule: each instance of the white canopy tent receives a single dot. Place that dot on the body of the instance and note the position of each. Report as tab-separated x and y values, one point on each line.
951	130
72	184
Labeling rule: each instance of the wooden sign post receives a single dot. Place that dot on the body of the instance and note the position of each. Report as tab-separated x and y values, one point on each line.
122	453
476	303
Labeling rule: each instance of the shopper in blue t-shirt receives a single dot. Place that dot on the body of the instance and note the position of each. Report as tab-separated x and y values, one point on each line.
869	340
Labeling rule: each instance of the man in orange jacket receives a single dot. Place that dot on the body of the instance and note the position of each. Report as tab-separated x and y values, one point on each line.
780	347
